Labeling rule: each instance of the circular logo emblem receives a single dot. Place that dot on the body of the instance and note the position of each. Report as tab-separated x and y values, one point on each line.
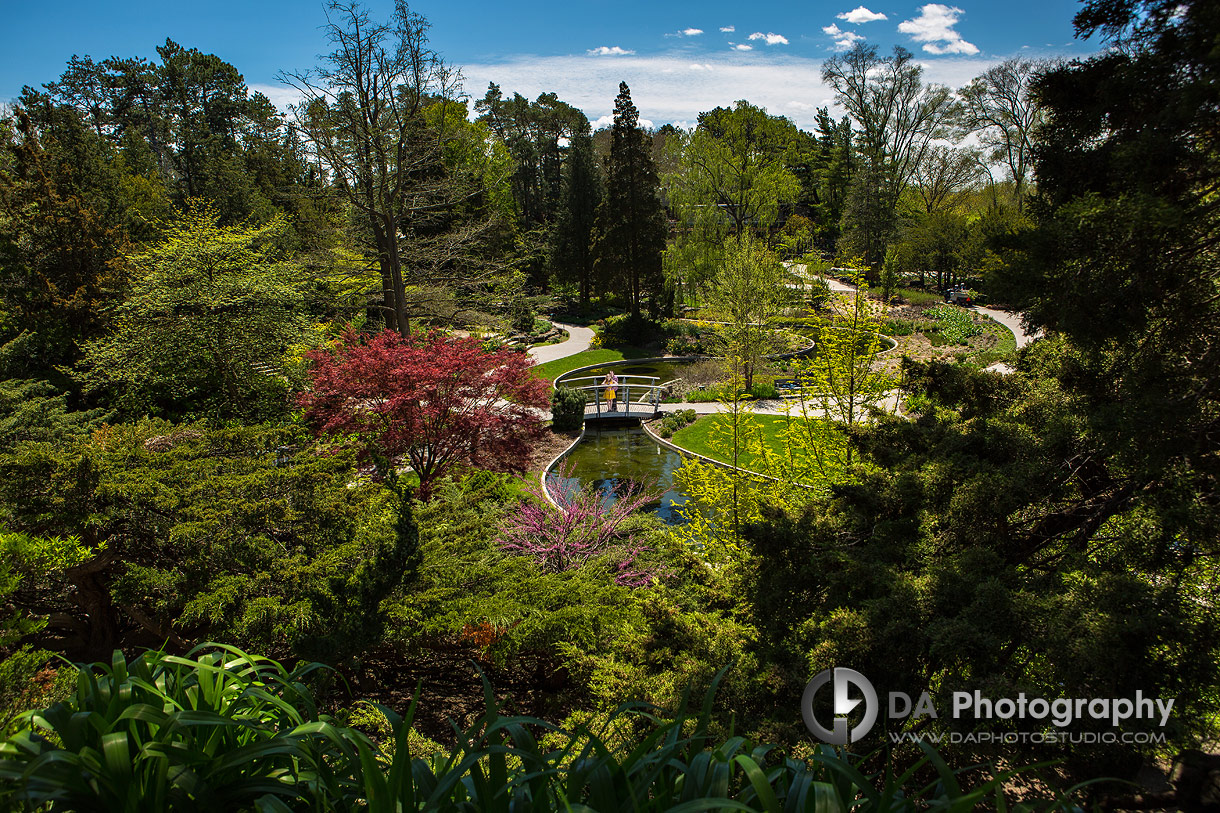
839	733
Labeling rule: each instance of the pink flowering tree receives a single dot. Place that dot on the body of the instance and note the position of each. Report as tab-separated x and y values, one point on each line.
581	529
430	400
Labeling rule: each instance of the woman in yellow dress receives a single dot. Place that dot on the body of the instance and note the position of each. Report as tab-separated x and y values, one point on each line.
611	384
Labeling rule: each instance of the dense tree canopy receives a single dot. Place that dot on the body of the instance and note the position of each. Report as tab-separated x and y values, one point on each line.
898	118
631	226
207	325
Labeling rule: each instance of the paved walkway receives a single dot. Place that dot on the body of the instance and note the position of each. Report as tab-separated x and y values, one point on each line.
1013	322
773	406
578	342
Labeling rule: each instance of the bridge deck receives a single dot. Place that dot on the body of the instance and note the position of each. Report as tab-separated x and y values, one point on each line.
635	396
636	411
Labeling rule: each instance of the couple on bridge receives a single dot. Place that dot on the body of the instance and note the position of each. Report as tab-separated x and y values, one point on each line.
610	382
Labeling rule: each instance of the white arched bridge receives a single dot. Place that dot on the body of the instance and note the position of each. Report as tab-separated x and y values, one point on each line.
636	396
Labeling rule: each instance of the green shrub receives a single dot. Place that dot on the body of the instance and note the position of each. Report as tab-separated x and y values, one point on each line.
620	331
705	395
764	389
229	731
935	338
567	408
955	326
521	317
685	346
898	327
818	294
676	420
916	296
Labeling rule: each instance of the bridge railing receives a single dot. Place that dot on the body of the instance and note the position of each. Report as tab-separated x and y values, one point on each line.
646	390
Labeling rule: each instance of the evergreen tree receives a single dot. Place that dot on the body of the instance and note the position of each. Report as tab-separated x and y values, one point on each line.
630	222
572	257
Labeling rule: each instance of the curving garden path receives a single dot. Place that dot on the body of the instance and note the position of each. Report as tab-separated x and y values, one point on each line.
1013	322
578	341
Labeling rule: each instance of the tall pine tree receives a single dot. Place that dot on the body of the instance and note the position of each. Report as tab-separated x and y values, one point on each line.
630	222
572	256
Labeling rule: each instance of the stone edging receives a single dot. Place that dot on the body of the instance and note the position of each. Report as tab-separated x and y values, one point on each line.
546	470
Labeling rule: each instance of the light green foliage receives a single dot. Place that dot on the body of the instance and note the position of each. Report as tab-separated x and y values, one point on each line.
470	147
204	330
731	171
722	499
27	565
841	382
750	289
38	411
730	176
955	323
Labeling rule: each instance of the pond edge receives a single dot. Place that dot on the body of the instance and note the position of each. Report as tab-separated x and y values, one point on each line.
546	470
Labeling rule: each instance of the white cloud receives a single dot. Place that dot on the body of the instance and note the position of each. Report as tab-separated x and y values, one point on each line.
665	88
741	46
695	66
843	39
608	121
934	28
608	50
860	14
728	29
692	32
280	95
772	39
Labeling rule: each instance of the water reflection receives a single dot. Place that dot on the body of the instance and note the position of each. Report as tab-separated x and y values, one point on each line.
606	457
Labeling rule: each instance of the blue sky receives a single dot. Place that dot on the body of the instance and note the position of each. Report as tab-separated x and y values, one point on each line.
679	57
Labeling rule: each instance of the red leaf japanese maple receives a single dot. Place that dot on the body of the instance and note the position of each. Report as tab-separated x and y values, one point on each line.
430	400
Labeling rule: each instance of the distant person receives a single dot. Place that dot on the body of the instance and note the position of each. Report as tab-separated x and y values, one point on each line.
611	384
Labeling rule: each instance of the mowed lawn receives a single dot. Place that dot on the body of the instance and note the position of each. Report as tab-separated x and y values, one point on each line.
711	436
553	369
